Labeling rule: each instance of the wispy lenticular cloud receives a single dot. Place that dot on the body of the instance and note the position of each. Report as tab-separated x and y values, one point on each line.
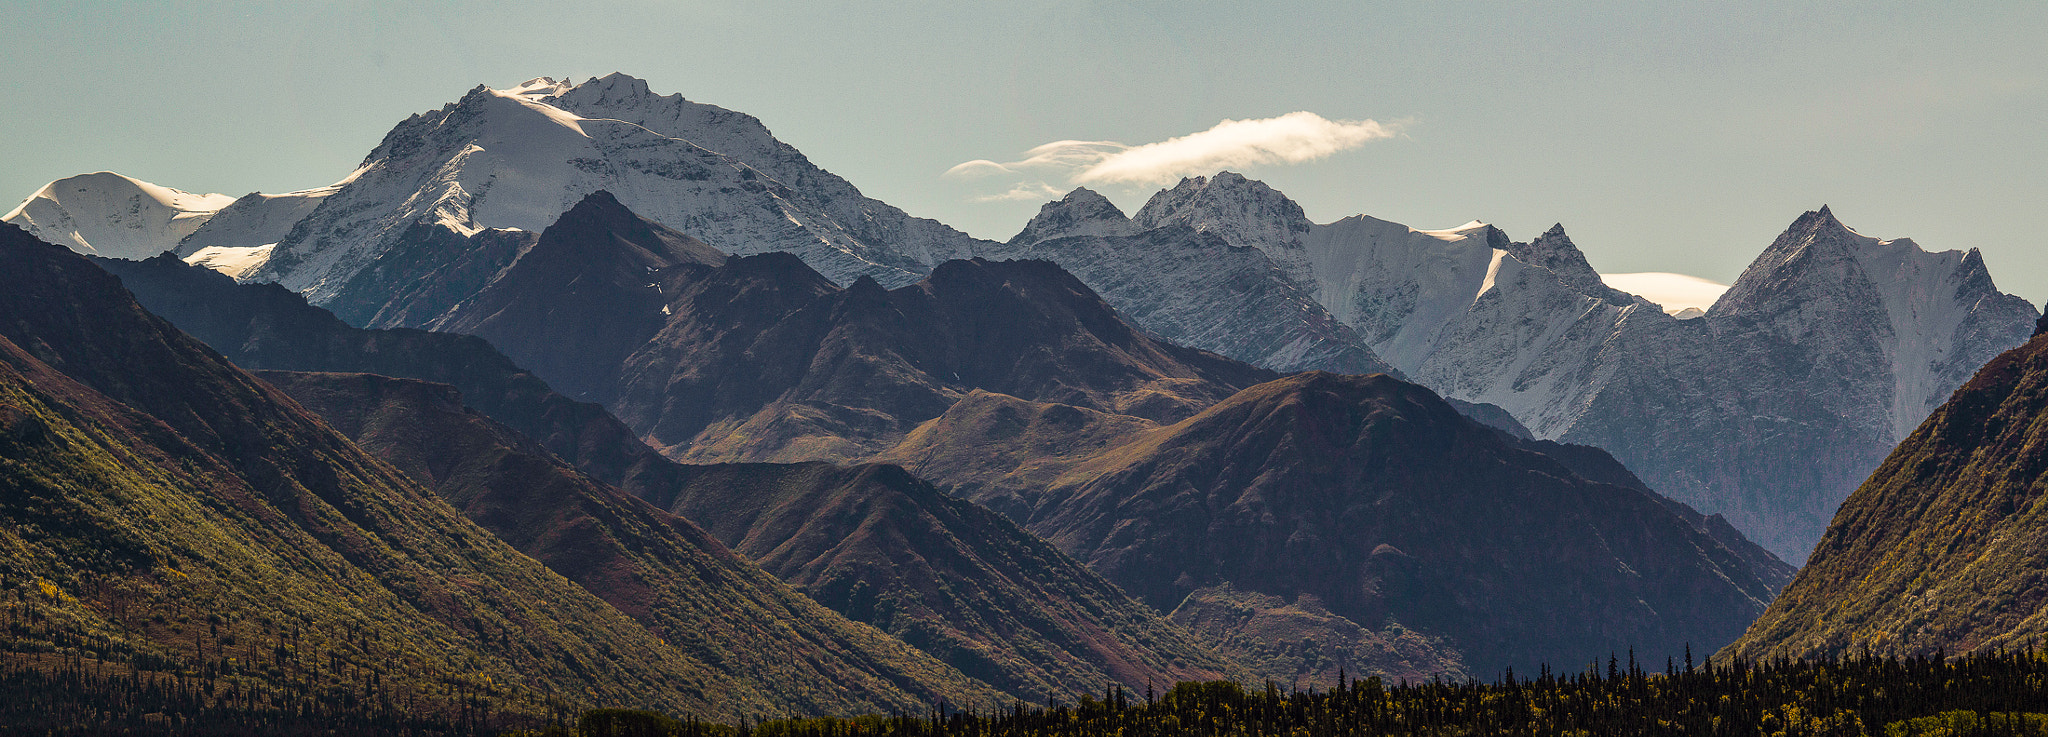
1288	139
1027	191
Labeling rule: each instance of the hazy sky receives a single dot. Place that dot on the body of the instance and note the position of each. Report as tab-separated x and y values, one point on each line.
1665	136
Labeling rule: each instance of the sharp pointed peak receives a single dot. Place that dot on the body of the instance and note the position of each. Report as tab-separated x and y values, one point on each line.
1823	218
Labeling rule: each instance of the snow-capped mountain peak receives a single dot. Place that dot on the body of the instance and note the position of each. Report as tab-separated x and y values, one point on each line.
517	158
1082	212
1821	278
539	89
1243	211
108	214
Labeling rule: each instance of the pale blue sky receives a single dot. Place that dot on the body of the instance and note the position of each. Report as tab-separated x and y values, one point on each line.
1665	136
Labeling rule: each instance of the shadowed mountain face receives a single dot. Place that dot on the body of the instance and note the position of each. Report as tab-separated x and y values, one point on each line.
588	293
1373	501
1089	637
952	578
1941	549
654	566
762	358
144	475
264	327
853	370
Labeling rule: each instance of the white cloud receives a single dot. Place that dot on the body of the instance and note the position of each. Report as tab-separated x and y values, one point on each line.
1673	292
978	168
1027	191
1293	138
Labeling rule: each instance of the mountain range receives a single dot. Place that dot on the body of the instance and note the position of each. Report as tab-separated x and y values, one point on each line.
165	507
761	355
1767	408
638	364
418	422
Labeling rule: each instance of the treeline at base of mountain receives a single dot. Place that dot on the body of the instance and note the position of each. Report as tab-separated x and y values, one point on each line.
1923	696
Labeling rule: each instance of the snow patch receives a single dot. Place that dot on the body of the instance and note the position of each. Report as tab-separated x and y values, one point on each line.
1492	273
231	261
108	214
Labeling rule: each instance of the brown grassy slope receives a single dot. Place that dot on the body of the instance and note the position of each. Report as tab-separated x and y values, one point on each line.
266	327
1000	450
1943	547
950	577
654	566
179	507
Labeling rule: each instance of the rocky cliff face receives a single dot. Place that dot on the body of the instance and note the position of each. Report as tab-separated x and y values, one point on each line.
1176	271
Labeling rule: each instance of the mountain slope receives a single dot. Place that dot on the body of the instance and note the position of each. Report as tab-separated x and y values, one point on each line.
1373	501
764	360
584	296
1941	548
264	327
213	496
271	327
953	579
655	567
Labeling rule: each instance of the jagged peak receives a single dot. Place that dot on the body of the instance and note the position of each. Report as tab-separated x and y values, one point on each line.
622	82
1821	222
1222	184
1082	212
1245	211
